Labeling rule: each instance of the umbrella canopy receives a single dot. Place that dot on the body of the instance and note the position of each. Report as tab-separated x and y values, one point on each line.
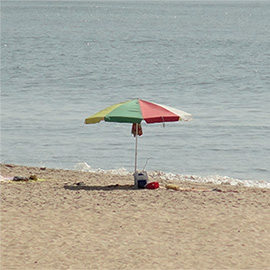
135	111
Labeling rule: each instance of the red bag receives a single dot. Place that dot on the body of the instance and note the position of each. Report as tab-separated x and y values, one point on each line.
133	129
152	185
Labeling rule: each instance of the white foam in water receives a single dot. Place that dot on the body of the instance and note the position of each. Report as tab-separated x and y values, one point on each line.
84	167
214	179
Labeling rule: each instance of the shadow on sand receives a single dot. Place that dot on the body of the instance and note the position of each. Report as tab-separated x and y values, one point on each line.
80	186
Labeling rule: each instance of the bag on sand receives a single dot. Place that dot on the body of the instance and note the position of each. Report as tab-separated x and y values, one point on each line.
152	185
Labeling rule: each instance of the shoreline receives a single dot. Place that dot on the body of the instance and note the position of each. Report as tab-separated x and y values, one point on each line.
155	176
82	220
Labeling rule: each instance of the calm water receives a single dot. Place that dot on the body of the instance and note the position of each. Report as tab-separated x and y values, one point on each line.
63	61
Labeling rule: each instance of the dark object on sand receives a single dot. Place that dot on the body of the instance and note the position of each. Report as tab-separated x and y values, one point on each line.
20	178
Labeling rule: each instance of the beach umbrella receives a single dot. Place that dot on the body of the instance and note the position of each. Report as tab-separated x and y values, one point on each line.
135	111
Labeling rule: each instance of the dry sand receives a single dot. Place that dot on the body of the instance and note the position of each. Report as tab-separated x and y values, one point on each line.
77	220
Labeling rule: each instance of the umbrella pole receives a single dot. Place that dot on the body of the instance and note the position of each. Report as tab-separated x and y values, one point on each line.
136	146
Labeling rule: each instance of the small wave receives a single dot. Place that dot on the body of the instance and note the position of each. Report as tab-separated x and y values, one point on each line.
210	179
84	167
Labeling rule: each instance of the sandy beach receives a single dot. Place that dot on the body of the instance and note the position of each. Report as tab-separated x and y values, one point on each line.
79	220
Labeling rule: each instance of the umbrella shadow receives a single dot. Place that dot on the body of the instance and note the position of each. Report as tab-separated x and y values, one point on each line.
79	186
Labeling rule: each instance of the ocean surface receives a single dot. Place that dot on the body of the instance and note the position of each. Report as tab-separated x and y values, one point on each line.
62	61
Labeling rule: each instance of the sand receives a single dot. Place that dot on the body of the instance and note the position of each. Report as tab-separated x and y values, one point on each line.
79	220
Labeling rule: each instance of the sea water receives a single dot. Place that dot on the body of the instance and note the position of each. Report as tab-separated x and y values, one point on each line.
62	61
